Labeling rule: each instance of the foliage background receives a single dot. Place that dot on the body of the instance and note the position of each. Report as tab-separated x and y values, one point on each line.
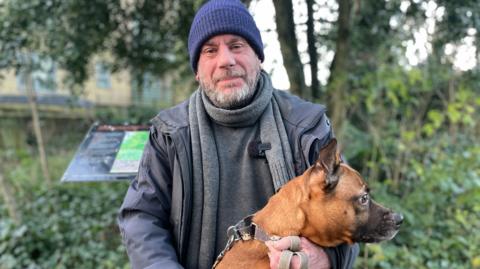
411	130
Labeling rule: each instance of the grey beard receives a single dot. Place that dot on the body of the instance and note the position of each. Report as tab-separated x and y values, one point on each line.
236	99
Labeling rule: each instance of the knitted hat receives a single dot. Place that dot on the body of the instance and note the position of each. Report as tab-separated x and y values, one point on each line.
222	17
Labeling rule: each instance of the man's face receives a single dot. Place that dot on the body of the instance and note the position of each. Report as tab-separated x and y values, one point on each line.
228	71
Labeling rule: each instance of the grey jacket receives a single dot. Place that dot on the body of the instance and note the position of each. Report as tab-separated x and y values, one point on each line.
155	215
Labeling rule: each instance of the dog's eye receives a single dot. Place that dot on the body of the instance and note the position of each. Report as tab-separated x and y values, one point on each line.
363	200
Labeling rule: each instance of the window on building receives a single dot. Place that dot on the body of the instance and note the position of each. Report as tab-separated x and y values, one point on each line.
153	92
102	76
151	87
43	75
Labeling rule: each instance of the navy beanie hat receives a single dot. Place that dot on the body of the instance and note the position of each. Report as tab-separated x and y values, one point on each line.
222	17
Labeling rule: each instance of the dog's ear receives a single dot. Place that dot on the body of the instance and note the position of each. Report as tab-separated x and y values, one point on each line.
328	161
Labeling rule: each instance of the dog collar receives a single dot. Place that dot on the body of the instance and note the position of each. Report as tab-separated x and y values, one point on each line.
244	230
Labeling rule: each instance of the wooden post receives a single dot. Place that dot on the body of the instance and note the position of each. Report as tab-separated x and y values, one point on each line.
32	100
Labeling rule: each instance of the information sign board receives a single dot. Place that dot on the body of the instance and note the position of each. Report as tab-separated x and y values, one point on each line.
108	153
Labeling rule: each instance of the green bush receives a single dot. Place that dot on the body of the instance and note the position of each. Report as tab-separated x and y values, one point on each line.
413	135
440	201
65	226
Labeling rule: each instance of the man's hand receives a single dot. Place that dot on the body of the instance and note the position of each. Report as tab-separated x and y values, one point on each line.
317	258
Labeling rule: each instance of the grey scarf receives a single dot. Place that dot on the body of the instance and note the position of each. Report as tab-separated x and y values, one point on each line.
205	160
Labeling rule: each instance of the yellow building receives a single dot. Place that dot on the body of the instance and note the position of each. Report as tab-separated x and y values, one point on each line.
101	89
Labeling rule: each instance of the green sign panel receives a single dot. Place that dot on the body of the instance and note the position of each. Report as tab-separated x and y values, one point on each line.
108	153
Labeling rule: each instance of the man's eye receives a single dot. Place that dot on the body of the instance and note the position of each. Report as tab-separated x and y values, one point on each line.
237	46
208	50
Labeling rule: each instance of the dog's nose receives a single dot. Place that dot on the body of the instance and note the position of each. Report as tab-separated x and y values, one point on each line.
398	218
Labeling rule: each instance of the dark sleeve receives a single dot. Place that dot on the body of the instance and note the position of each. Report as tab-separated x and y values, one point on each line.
144	215
342	256
316	138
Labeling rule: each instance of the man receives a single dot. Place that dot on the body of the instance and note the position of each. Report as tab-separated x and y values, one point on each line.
217	157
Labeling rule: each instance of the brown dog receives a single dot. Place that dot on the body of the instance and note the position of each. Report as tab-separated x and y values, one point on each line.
329	204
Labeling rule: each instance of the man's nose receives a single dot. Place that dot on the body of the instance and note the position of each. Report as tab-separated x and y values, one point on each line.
226	58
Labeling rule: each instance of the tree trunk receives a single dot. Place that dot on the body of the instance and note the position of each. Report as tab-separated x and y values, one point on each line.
288	45
247	2
12	208
312	51
36	125
337	85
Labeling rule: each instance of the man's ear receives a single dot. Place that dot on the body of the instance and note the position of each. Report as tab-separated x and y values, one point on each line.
196	76
328	161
